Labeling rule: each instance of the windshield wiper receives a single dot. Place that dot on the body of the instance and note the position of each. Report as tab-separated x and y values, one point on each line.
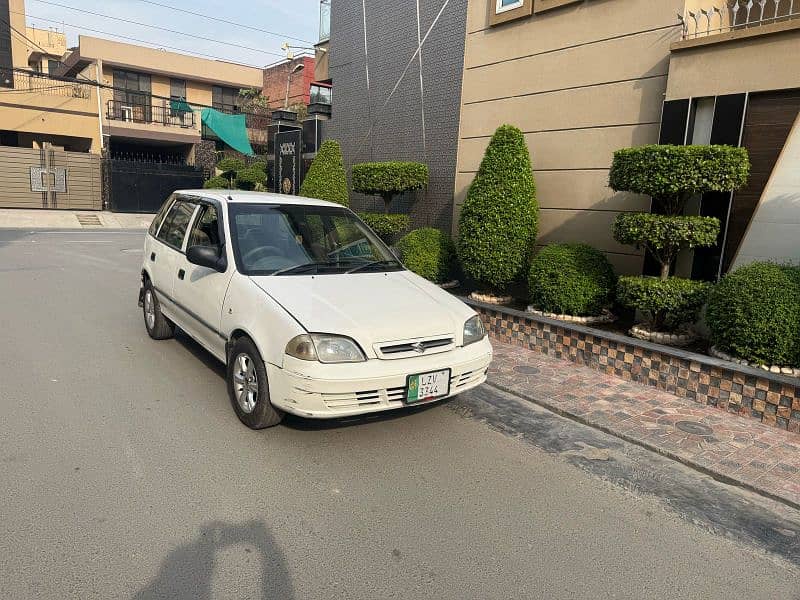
303	267
374	263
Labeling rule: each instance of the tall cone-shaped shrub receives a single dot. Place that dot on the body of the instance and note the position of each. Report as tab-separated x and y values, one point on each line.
326	178
498	223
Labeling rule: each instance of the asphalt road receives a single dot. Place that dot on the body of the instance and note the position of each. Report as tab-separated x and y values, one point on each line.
125	474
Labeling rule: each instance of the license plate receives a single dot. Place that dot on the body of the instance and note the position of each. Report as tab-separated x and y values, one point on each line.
427	386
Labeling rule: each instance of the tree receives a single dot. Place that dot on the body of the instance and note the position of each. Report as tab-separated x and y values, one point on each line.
671	175
389	179
498	222
326	178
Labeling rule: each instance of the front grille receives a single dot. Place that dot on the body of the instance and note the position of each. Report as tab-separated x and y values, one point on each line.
415	347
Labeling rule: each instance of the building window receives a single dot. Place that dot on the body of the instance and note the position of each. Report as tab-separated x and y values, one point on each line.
503	11
321	94
131	88
225	99
177	89
505	5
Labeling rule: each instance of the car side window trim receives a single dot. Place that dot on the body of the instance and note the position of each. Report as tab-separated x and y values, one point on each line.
217	206
162	215
185	238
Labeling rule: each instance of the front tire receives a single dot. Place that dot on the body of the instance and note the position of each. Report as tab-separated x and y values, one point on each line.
157	325
248	387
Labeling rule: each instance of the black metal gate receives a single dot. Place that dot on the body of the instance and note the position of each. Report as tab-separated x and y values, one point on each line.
142	187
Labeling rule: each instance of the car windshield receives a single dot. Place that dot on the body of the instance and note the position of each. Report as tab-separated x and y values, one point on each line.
283	240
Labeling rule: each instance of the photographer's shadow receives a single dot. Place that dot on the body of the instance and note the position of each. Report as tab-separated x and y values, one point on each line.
187	571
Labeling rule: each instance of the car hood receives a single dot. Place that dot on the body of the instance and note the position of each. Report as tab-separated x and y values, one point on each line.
369	307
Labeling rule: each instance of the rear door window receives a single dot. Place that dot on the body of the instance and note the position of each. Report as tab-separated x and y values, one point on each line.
159	218
177	220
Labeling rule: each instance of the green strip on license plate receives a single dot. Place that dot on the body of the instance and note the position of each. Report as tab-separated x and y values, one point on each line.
427	386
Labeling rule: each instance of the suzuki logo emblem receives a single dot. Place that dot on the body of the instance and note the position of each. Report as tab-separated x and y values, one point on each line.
418	347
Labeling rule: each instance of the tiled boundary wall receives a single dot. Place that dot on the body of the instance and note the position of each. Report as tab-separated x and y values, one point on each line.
770	398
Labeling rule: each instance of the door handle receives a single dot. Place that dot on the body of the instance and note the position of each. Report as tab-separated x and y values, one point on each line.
152	257
181	274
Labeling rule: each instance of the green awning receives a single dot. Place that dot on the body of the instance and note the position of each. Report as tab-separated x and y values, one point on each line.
231	129
179	106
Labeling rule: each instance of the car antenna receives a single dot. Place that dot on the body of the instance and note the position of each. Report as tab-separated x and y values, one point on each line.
230	199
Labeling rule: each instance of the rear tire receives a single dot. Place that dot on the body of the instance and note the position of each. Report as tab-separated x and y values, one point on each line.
157	325
248	387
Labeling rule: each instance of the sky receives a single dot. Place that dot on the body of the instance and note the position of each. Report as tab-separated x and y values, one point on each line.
286	18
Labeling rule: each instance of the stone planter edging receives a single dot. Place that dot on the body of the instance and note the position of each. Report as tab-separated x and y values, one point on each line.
773	399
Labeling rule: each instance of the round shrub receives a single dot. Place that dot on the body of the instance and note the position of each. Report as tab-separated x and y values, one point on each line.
217	183
754	313
498	222
387	227
667	304
572	279
258	164
429	253
229	165
326	178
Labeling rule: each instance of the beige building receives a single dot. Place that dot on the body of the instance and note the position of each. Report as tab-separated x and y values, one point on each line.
140	90
583	78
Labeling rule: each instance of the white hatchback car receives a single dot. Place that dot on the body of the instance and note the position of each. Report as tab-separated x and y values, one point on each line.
307	307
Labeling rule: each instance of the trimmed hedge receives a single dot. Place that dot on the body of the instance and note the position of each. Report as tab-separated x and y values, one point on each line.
229	165
754	313
387	227
217	183
429	253
498	222
326	178
250	178
665	236
258	164
388	179
667	303
571	279
671	174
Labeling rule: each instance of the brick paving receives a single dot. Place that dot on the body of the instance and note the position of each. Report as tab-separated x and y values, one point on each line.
729	447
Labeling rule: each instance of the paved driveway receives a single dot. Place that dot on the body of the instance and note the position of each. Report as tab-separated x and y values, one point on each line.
125	474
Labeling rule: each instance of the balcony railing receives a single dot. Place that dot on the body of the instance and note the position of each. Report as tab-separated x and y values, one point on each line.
42	83
133	112
711	17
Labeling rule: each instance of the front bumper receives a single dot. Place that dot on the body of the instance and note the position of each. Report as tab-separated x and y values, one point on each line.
327	391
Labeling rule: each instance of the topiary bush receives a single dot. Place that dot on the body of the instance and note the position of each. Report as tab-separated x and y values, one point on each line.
258	164
673	174
429	253
326	178
498	222
667	304
217	183
229	166
389	179
665	236
387	227
754	313
250	178
571	279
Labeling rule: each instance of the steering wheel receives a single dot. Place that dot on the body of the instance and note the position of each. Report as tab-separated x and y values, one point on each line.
260	252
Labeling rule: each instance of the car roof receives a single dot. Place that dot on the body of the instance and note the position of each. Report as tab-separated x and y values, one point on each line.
234	196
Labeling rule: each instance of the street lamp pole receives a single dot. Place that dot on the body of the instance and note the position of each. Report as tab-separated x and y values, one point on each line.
292	70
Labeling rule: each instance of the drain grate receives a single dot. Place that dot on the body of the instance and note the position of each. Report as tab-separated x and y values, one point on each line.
89	220
694	427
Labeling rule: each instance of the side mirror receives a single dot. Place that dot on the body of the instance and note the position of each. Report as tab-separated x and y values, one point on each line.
207	256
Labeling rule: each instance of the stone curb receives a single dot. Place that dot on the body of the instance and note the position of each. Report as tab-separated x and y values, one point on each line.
721	477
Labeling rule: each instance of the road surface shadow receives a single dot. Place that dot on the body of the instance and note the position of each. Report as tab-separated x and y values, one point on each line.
188	571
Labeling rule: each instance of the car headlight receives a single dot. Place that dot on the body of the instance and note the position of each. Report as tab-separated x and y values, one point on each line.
474	331
325	348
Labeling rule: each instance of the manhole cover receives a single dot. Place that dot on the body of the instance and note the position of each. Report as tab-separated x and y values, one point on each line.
526	370
694	428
